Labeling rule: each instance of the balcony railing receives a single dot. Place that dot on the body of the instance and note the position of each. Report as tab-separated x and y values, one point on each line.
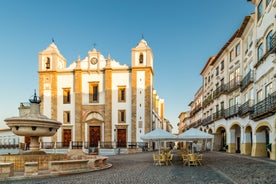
264	108
246	108
218	115
9	146
195	110
232	85
231	111
195	124
248	79
218	91
207	100
207	120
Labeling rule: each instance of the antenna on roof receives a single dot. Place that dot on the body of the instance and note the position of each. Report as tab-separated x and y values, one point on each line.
142	36
53	41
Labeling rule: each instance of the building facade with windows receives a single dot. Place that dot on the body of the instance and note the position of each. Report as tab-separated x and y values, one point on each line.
239	87
98	99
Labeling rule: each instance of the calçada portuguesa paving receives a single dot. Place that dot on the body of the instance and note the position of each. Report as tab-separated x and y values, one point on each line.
219	167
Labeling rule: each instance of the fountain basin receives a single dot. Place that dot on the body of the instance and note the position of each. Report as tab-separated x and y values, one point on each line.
33	127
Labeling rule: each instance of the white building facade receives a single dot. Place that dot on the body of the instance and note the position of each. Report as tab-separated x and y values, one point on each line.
98	99
239	87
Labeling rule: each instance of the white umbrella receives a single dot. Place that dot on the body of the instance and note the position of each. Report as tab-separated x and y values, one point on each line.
194	134
159	135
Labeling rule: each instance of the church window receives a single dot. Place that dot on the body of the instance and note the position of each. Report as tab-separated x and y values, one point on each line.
66	117
93	92
141	58
47	64
66	95
122	116
121	94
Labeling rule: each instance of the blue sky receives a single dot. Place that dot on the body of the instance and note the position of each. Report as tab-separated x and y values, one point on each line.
182	34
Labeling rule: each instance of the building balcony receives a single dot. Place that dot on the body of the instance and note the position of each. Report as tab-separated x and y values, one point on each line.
231	111
248	79
232	85
195	124
219	91
246	108
207	120
195	110
264	108
207	100
218	115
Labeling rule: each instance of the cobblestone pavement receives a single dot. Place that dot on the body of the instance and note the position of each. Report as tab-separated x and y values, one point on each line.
138	168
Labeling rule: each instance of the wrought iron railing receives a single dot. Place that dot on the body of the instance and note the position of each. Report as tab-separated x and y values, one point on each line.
218	115
195	124
47	145
207	100
231	111
246	108
9	146
207	120
248	79
264	108
218	91
232	85
77	144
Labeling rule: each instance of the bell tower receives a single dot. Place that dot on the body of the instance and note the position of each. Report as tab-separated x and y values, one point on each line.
51	59
50	62
142	88
142	55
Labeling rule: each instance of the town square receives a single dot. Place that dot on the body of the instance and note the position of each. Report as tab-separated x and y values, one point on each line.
138	92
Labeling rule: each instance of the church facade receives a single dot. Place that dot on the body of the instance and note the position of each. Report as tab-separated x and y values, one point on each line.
98	99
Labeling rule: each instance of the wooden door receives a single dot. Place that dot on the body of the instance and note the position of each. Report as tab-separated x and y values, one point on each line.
121	138
95	135
66	137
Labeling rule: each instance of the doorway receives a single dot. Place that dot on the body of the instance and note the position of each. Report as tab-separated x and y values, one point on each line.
121	138
95	135
66	138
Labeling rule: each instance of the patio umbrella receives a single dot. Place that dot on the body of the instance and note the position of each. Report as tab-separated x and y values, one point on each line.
159	135
194	134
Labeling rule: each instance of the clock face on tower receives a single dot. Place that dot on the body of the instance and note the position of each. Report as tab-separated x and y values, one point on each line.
93	60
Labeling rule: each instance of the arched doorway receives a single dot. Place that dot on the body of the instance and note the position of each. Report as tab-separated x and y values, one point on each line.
234	145
94	127
220	139
262	140
247	141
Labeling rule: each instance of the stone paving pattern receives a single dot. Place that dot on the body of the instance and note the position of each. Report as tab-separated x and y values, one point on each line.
218	168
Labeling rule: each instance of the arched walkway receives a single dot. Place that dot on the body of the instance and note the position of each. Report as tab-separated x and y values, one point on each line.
263	134
247	141
220	139
234	145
